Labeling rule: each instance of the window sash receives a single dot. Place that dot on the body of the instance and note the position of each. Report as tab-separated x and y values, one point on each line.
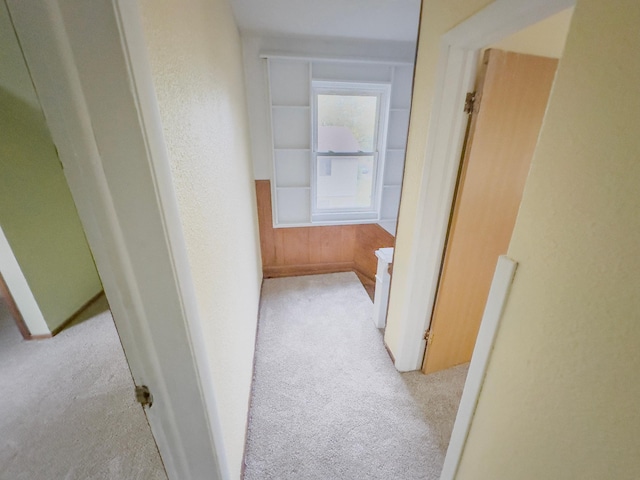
352	208
353	213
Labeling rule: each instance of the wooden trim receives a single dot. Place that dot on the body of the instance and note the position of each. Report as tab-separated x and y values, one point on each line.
75	315
15	311
369	238
276	271
361	273
386	347
44	336
22	326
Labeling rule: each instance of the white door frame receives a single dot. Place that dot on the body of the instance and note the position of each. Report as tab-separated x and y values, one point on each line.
456	71
89	65
20	291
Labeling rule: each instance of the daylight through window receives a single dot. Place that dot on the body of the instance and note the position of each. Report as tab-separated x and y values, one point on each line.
349	122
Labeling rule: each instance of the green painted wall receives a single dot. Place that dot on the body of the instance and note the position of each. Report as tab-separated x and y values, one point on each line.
38	215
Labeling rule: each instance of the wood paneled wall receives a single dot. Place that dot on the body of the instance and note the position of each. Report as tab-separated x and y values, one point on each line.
370	238
310	250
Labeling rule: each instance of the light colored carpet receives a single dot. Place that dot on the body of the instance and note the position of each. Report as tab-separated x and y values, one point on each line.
67	408
327	402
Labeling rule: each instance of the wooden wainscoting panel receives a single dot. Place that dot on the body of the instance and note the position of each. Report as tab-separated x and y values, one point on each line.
265	222
322	249
330	244
295	246
369	239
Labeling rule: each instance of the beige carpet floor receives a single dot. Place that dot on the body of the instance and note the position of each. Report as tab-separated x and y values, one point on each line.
327	402
67	409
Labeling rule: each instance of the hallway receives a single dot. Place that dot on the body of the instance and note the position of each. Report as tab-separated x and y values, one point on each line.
327	402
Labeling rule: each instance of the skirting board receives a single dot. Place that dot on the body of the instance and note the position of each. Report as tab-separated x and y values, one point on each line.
498	295
74	316
307	269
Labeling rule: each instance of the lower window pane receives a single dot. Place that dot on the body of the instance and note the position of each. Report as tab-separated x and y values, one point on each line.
344	182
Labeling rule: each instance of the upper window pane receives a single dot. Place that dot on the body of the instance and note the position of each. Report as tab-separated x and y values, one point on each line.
346	123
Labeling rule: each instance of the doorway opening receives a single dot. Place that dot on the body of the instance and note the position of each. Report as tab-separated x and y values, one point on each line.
68	408
506	109
458	64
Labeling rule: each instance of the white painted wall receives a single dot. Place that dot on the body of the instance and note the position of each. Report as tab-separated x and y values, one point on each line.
20	291
196	63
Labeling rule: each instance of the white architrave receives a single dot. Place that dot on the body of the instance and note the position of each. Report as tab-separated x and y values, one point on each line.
457	66
89	66
20	291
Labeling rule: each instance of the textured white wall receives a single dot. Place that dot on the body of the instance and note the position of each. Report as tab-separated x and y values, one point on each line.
196	61
560	398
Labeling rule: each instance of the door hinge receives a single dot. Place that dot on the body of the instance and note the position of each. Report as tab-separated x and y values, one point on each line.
428	336
143	396
470	103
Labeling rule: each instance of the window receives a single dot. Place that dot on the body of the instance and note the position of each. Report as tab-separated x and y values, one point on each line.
300	170
349	129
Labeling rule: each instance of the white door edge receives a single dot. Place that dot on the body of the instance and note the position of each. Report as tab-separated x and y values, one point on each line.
20	290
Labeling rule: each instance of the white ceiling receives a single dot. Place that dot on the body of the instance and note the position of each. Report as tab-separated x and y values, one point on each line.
362	19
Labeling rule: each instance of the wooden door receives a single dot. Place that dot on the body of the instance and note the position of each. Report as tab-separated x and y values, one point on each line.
512	93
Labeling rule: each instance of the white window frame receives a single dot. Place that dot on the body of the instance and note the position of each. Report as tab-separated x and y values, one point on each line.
351	215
